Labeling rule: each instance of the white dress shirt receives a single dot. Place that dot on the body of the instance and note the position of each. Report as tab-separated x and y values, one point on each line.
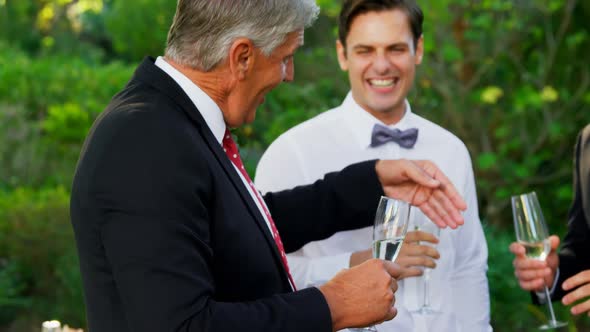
342	136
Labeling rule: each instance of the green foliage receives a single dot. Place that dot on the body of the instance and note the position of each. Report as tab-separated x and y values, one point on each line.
12	287
139	28
41	26
66	123
46	108
16	20
69	294
41	273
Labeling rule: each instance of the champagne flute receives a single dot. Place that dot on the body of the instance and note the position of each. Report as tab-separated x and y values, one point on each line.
426	308
532	233
389	230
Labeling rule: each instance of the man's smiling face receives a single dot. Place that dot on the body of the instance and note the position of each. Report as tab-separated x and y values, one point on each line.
381	61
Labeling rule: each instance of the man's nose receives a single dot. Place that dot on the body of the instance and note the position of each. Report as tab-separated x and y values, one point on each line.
381	63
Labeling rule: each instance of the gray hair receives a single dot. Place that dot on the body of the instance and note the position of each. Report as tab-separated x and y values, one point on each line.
203	30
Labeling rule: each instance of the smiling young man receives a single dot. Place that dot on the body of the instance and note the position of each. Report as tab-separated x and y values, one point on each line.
380	45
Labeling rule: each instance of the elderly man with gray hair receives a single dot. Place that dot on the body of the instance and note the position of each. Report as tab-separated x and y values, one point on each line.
172	235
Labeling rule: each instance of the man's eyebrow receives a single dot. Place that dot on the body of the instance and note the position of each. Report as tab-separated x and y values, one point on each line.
361	46
404	44
397	44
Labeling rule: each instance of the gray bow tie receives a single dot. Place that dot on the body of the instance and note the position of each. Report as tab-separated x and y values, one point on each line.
405	138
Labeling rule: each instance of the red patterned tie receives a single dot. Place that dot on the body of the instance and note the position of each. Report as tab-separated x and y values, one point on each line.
230	148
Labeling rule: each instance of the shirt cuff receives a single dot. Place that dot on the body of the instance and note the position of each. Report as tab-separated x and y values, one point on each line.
541	295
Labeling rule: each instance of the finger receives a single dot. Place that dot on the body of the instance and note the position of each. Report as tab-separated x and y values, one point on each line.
524	263
441	211
448	205
411	237
432	215
449	189
554	242
577	280
581	308
418	261
390	314
532	274
413	249
416	236
417	174
393	269
534	285
517	249
411	272
576	295
394	286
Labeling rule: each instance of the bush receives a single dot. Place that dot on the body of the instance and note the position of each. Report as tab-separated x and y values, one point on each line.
12	288
36	241
47	106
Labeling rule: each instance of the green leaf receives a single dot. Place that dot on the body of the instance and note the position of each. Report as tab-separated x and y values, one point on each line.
555	129
522	172
576	39
502	193
555	5
564	192
502	132
451	53
486	160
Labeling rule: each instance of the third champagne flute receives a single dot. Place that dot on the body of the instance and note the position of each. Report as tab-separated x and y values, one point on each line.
532	233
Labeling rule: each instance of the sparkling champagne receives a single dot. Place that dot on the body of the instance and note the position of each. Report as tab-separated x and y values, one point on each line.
537	250
387	249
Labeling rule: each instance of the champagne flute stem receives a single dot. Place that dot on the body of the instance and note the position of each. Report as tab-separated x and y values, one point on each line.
550	305
426	300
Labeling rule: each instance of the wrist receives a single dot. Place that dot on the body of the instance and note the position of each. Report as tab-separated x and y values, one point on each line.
359	257
332	298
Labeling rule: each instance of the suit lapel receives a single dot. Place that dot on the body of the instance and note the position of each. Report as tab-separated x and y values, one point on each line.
150	74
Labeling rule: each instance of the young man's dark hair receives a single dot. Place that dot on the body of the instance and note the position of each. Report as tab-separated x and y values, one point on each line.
353	8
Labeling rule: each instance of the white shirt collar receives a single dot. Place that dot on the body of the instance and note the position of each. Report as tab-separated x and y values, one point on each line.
364	121
205	104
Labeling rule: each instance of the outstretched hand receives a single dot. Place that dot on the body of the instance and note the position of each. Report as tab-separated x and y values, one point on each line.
422	184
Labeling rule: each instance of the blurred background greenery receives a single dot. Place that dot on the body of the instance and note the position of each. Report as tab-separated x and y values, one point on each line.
508	77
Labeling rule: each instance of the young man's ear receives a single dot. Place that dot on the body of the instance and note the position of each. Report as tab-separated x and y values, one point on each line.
241	57
341	53
420	50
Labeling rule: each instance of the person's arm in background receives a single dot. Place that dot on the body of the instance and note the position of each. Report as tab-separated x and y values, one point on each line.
470	283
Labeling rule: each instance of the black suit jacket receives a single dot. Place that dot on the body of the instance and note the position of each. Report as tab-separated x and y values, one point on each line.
574	256
169	238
